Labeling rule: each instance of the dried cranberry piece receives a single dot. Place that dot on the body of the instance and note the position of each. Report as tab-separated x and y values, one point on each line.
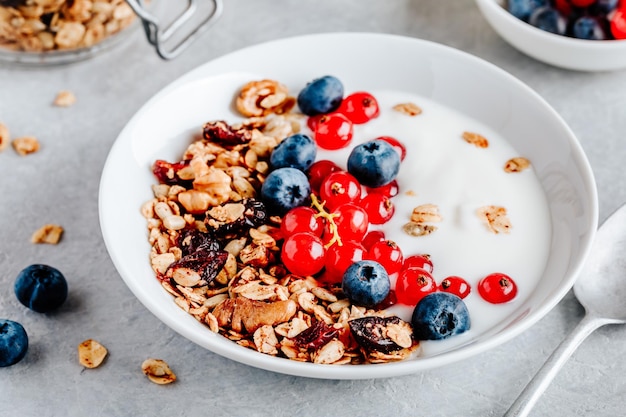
235	218
192	240
207	262
167	172
315	336
221	132
369	332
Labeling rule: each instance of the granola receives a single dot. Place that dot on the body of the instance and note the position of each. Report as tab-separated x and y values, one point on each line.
91	353
48	233
25	145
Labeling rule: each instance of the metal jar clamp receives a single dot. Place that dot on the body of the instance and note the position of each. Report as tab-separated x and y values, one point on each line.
158	36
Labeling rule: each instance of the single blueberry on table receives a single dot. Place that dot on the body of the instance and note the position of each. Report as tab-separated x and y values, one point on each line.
440	315
588	28
41	288
374	163
284	189
522	9
13	342
549	20
320	96
296	151
366	283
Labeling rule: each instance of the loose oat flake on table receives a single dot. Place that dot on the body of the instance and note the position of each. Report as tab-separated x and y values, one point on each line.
91	353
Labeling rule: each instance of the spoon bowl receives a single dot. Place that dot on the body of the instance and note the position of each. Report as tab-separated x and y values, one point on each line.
601	289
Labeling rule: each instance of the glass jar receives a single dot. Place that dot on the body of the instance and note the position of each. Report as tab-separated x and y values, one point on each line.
50	32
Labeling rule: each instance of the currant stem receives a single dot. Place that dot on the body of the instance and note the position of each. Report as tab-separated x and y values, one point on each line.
330	218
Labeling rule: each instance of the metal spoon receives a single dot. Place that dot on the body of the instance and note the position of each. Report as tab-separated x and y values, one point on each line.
601	289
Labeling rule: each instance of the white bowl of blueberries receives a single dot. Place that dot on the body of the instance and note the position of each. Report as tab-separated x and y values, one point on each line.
582	35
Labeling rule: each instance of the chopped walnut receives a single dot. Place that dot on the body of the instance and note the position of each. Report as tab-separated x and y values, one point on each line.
49	233
25	145
517	164
475	139
260	98
410	109
64	98
495	218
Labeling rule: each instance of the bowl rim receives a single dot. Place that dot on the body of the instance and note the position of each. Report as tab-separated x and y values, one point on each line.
286	366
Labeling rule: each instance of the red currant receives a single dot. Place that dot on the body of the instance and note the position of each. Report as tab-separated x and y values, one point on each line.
359	108
618	23
302	219
396	144
340	188
418	261
389	190
563	6
455	285
390	300
351	222
333	131
371	238
497	288
582	3
413	284
312	121
319	171
388	254
379	208
303	254
340	257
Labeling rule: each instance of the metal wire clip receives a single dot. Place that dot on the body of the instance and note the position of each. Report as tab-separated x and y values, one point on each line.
158	37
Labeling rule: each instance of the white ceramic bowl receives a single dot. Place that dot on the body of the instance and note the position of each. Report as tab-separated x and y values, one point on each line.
162	127
557	50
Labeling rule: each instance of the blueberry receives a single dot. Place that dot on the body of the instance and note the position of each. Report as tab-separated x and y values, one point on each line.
440	315
374	163
588	28
13	342
366	283
522	9
284	189
548	19
603	7
297	151
320	96
41	288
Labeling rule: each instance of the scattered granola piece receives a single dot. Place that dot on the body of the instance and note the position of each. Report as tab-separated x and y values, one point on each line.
158	371
25	145
91	353
495	218
426	213
418	229
64	98
260	98
476	139
4	137
517	164
48	233
410	109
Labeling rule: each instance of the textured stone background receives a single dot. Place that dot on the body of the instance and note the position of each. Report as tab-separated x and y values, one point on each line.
60	184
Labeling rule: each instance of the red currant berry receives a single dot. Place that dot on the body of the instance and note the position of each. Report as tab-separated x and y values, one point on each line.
303	254
455	285
379	208
333	131
418	261
359	108
351	222
563	6
388	254
302	219
618	23
340	257
340	188
371	238
396	144
413	284
312	121
390	300
582	3
318	172
497	288
389	190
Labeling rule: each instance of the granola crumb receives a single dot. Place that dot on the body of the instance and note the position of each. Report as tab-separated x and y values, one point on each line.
49	233
517	164
410	109
158	371
25	145
64	98
4	137
91	353
495	217
476	139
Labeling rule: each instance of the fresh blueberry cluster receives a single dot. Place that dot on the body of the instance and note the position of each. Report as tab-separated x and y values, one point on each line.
583	19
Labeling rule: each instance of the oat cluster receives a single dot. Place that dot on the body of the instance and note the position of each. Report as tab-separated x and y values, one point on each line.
47	25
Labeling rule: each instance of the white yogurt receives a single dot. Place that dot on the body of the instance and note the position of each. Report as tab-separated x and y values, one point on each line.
442	169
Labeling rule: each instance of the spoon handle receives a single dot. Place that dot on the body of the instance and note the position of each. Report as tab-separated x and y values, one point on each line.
527	399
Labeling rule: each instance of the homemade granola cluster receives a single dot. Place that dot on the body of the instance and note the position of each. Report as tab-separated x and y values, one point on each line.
46	25
214	248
